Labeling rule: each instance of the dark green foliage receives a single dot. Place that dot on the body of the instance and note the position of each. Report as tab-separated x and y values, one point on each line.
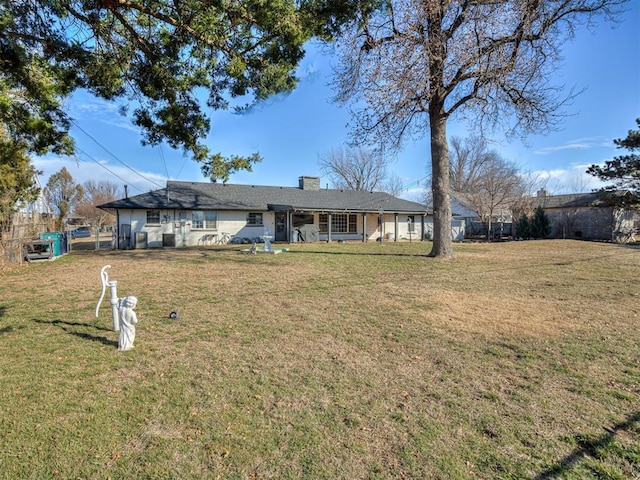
523	227
624	171
16	181
160	56
539	225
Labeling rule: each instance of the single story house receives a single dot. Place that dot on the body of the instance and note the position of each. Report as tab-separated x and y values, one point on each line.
197	213
583	215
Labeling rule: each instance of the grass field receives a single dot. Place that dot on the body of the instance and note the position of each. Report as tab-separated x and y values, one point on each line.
331	361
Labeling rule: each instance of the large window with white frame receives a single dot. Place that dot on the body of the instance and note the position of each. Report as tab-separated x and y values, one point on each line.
204	220
340	223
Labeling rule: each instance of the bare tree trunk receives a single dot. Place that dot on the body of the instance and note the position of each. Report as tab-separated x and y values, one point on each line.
442	244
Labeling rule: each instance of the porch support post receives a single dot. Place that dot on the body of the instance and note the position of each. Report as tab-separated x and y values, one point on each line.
395	227
364	227
329	227
116	240
422	227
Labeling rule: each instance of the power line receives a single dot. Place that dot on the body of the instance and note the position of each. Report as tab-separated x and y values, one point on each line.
416	183
164	161
114	156
181	167
111	172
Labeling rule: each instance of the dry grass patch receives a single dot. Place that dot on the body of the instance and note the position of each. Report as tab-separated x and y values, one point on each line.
496	316
513	360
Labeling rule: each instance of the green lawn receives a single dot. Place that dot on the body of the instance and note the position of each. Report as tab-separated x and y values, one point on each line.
331	361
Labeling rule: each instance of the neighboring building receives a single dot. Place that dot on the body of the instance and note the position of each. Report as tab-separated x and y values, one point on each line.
468	224
192	213
578	215
583	215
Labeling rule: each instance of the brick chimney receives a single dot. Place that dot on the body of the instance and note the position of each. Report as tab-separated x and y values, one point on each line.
309	183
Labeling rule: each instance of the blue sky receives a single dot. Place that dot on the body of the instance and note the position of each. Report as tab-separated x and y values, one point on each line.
291	131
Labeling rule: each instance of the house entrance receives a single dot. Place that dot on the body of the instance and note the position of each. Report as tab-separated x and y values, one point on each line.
281	227
124	240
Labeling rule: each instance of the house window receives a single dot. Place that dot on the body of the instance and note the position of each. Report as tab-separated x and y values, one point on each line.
153	217
411	223
254	218
352	223
204	220
322	222
340	223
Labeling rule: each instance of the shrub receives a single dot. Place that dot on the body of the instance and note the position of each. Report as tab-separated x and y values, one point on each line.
540	225
523	227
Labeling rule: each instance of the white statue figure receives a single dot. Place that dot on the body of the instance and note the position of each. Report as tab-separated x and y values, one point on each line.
128	320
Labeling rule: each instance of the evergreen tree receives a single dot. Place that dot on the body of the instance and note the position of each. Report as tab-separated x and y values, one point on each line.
17	186
624	171
523	227
540	225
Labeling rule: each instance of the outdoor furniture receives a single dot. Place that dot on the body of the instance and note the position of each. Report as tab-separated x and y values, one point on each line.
39	250
209	239
628	236
309	233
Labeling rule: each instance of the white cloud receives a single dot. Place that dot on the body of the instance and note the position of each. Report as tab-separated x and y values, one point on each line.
87	108
83	170
578	144
573	179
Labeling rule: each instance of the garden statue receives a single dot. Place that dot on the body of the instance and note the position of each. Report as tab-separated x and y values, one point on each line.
128	320
114	297
267	240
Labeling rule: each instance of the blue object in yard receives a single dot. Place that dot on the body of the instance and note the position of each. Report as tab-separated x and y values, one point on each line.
58	240
81	232
64	242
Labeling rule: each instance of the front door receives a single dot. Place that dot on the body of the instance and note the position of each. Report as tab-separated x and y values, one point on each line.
124	241
281	227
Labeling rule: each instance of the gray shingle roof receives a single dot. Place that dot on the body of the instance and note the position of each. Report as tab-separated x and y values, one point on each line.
574	200
225	196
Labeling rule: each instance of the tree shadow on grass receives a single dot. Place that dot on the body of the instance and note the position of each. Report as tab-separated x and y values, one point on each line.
68	328
587	448
10	328
363	254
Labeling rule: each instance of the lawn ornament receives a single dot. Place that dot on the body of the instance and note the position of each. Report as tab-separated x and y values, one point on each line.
267	237
174	315
114	297
128	320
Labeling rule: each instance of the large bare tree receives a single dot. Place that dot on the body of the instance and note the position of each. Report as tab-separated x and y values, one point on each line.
469	156
408	66
493	190
483	180
354	168
97	193
393	185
